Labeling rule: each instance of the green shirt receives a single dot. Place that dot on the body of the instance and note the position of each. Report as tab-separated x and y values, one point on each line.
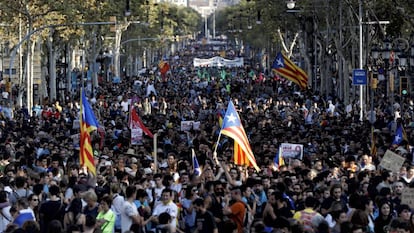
109	225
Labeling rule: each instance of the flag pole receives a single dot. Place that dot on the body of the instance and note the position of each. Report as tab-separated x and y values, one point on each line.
215	149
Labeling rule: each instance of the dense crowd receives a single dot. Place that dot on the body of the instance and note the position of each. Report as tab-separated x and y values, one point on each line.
338	185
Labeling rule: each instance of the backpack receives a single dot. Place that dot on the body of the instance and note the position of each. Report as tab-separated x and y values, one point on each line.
117	215
306	220
18	197
247	219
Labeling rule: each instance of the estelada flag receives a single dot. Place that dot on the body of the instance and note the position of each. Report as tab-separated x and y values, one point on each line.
233	128
283	66
88	123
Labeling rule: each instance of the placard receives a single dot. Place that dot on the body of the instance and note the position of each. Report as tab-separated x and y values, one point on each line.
188	125
136	136
407	197
392	161
294	151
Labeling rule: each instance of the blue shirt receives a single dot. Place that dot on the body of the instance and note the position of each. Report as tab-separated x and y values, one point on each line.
24	216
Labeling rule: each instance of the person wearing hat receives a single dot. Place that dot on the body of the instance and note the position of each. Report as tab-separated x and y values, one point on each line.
133	167
130	151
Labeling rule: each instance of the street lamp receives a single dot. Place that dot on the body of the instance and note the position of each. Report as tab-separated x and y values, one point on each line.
290	4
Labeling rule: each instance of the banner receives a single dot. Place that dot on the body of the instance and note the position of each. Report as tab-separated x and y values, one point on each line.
289	150
218	62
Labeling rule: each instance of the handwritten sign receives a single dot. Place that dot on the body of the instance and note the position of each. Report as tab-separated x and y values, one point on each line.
392	161
407	197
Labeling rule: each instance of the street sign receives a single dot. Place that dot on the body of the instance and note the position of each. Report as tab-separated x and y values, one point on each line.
359	77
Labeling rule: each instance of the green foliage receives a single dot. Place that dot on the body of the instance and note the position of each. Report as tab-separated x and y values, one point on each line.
156	20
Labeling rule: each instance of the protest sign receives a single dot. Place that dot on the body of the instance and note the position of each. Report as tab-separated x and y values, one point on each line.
188	125
407	197
294	151
136	136
392	161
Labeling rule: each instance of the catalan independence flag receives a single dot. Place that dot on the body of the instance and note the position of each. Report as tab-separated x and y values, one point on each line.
196	165
233	128
240	157
88	123
283	66
278	161
400	135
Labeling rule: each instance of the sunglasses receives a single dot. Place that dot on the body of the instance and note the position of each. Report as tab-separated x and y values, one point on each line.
35	199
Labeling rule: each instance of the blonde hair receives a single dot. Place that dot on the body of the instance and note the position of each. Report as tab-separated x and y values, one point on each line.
90	195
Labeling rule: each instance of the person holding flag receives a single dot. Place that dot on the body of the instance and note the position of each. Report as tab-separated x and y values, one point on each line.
233	128
196	165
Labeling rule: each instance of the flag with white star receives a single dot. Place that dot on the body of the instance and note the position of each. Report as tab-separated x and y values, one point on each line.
233	128
283	66
399	136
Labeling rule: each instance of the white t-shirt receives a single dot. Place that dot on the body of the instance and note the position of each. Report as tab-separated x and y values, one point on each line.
170	208
157	192
5	218
128	210
125	105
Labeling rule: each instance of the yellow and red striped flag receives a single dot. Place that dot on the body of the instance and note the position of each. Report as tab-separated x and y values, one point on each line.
240	157
283	66
88	123
233	128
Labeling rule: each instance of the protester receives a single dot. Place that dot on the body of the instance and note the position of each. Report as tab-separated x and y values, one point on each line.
155	184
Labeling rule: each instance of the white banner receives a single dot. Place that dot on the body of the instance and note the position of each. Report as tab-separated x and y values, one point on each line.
218	62
294	151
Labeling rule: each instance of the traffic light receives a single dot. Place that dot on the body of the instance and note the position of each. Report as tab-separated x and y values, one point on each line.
374	80
113	26
404	85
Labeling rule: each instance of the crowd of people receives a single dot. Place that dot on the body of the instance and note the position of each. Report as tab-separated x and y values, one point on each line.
337	186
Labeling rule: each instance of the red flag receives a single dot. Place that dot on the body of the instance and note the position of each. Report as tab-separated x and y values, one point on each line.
136	121
164	68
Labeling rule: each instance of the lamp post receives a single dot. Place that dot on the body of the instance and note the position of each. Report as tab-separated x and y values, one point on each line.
361	87
290	4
